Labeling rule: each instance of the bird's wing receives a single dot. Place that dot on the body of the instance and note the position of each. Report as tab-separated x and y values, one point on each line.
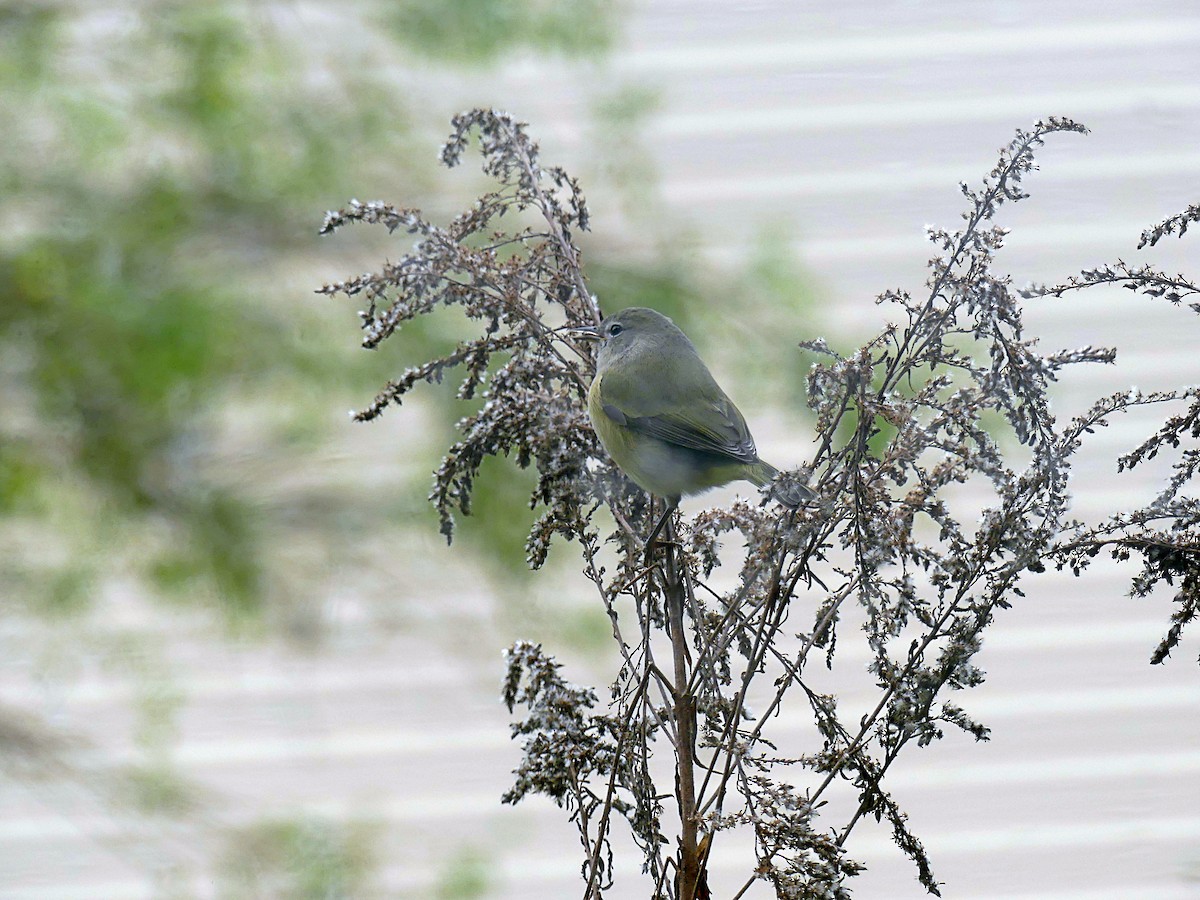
712	423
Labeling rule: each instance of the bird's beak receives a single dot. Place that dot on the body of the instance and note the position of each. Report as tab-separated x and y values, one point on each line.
587	332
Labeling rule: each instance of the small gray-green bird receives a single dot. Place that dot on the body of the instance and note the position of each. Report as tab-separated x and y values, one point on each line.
663	418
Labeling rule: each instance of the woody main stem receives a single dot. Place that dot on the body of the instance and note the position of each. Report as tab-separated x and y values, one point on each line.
685	725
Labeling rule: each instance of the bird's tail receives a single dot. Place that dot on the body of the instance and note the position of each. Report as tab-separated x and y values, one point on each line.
785	490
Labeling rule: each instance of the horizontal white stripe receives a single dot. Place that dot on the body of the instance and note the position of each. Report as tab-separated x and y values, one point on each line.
1021	109
1138	891
281	682
1046	240
409	811
890	46
1078	702
1071	768
109	890
343	744
1060	835
892	179
1022	704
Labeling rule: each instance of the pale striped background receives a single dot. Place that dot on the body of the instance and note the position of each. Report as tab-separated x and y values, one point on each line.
852	123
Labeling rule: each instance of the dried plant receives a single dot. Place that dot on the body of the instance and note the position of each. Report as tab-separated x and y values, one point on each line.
927	405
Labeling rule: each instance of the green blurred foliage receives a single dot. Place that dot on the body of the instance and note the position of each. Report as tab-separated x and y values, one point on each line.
299	859
625	168
139	152
163	170
157	789
479	31
465	876
780	297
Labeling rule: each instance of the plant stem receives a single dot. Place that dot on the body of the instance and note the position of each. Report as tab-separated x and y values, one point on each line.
685	725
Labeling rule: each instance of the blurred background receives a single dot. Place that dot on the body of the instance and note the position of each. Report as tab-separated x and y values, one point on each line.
236	658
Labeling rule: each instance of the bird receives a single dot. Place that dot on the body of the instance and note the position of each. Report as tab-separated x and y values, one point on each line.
664	420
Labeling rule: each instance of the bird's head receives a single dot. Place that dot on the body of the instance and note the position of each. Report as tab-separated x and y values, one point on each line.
635	330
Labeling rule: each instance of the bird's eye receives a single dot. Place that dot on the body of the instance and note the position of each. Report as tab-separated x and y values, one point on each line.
614	329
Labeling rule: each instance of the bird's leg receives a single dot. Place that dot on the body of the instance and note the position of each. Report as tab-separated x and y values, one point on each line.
672	503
